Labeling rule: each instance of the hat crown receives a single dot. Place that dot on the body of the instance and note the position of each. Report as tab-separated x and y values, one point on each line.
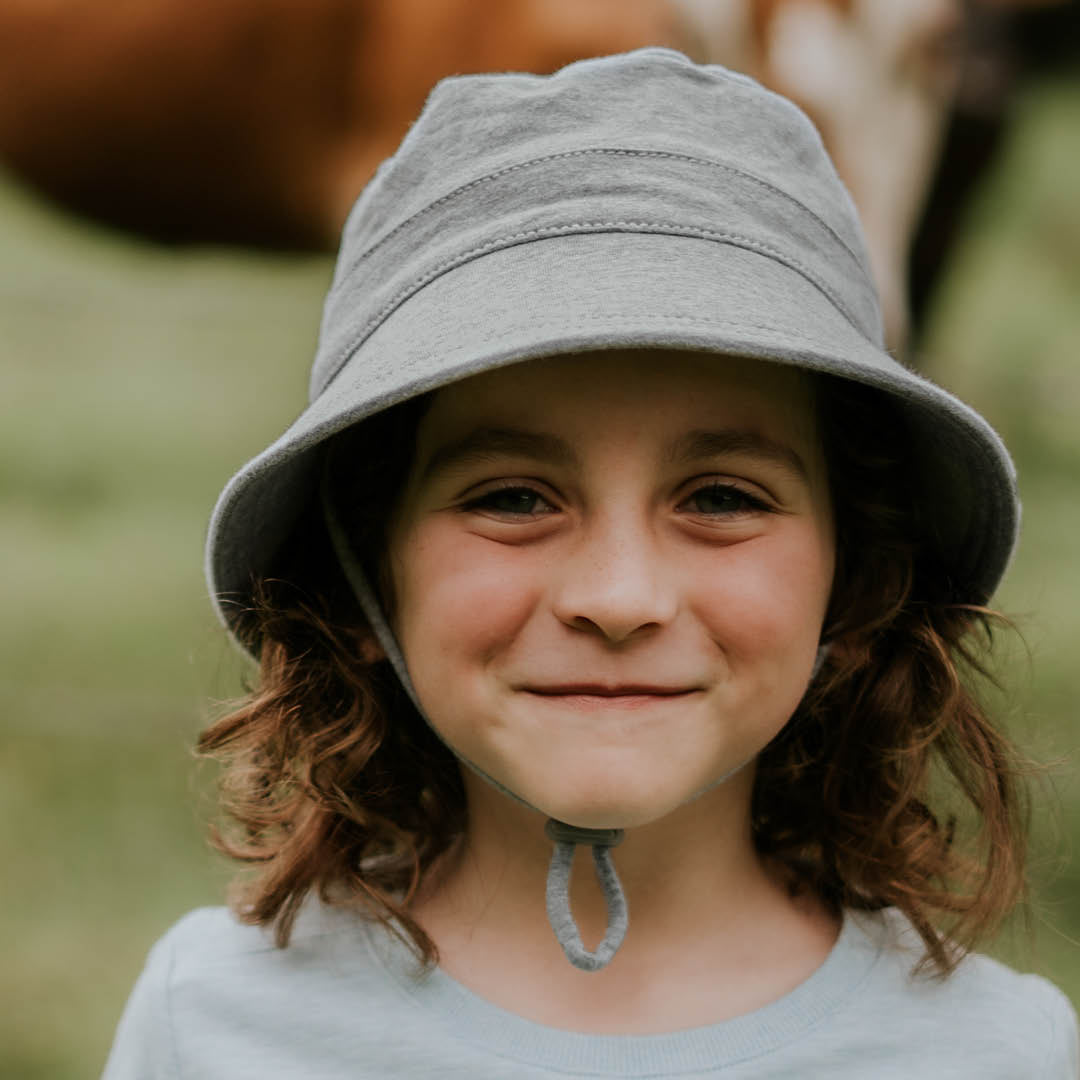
643	141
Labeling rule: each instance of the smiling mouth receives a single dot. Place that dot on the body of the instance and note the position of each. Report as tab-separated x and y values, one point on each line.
596	690
595	696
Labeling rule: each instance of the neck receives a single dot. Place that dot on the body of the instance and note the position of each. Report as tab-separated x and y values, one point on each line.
699	897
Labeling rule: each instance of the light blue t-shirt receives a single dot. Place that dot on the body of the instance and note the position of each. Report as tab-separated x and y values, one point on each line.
344	1000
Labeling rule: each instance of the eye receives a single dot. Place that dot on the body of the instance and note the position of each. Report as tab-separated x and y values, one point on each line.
722	500
511	501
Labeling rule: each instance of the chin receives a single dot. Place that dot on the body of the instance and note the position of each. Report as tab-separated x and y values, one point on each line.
609	805
600	796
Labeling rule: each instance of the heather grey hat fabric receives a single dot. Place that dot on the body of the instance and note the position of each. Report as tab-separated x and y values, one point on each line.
630	201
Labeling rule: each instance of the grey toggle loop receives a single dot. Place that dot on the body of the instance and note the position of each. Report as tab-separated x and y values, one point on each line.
566	838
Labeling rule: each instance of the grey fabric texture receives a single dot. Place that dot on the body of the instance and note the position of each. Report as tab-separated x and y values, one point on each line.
633	201
218	1001
557	894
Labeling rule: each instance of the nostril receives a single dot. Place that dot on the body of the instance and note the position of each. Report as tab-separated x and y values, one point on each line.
612	630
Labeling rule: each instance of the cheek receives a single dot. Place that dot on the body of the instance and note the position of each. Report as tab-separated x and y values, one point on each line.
459	594
769	598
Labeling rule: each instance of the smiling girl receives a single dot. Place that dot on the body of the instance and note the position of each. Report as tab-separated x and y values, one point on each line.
611	537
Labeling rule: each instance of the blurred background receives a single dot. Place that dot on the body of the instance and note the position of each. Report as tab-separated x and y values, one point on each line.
173	177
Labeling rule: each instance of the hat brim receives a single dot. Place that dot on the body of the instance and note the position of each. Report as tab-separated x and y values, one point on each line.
612	290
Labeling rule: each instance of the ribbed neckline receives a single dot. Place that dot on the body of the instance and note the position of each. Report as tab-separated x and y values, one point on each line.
470	1018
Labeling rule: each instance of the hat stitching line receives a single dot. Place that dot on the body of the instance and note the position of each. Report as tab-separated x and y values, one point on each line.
705	320
548	231
436	381
597	317
614	150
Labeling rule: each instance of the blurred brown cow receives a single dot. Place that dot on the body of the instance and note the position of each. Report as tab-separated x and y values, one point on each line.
258	121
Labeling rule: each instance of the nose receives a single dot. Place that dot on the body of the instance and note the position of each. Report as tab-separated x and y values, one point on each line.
615	584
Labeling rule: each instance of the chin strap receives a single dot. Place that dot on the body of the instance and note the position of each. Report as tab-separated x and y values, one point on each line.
566	838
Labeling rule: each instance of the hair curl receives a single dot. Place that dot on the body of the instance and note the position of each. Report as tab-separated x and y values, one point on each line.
334	783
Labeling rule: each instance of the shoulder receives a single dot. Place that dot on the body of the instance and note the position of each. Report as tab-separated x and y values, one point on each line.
211	964
145	1045
984	1010
214	941
210	933
1026	1013
219	998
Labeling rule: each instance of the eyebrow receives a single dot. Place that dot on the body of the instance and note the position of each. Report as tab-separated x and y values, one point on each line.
696	445
483	444
487	443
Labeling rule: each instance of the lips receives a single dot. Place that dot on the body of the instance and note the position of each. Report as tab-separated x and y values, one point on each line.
599	690
621	698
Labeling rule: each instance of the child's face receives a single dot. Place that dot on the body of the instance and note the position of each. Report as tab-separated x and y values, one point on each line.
611	572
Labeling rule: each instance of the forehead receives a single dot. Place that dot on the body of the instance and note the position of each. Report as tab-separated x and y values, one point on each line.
584	395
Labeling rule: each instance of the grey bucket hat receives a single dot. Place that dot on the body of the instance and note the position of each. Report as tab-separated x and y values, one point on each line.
638	200
634	201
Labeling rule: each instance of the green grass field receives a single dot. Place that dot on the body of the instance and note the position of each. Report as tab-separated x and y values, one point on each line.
136	379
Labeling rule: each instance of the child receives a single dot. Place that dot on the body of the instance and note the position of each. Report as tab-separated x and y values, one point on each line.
610	526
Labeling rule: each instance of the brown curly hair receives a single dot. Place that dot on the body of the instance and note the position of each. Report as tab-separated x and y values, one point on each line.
334	783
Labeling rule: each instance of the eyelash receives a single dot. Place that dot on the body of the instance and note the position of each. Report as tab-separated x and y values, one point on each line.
747	502
486	500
